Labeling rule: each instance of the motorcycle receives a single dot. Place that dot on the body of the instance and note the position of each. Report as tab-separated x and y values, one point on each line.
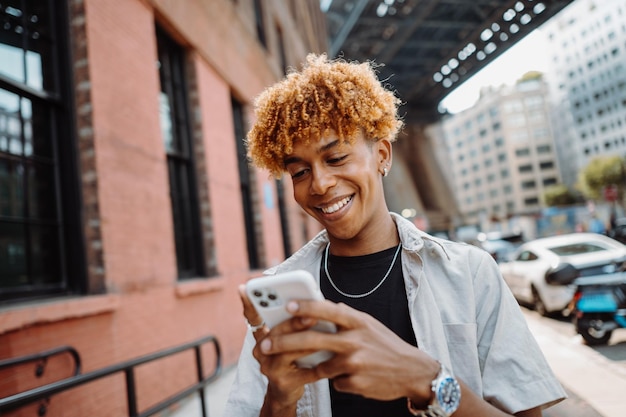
598	306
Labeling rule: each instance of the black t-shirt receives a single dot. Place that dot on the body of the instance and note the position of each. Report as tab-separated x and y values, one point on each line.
388	304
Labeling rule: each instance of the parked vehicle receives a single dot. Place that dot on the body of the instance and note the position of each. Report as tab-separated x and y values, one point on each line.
500	250
599	304
590	254
618	232
501	246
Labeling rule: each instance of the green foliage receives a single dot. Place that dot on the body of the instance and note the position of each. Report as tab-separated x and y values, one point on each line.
558	195
601	172
531	75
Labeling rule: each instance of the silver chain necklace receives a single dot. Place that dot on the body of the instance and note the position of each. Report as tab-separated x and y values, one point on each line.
345	294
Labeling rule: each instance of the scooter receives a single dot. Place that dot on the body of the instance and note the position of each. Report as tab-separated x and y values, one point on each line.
599	303
599	309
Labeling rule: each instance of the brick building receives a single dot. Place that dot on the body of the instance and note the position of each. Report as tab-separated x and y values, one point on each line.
128	213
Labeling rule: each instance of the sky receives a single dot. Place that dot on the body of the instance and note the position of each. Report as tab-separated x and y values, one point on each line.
529	54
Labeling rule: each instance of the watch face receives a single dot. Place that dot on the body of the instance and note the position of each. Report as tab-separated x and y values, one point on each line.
448	395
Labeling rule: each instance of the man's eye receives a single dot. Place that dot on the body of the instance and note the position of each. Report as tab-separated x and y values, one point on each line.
298	174
336	160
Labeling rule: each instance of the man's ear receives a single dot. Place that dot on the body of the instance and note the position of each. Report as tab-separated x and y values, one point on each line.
384	153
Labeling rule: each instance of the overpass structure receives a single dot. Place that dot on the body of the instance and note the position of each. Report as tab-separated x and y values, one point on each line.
427	48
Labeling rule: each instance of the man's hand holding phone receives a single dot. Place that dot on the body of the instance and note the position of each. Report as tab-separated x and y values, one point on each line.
270	295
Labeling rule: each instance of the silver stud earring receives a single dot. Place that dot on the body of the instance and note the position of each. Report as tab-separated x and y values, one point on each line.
385	172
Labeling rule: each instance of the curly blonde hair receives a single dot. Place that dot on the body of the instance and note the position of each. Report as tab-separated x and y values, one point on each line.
345	98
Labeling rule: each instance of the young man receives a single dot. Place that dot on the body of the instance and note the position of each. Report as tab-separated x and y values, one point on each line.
426	327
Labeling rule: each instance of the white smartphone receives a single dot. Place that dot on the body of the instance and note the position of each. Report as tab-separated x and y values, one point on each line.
270	295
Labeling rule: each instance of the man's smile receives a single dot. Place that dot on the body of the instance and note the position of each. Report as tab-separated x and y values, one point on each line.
336	206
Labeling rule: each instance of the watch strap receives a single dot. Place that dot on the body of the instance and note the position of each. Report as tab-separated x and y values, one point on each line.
434	409
431	411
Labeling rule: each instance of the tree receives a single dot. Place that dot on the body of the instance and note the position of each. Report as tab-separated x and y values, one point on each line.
558	195
602	172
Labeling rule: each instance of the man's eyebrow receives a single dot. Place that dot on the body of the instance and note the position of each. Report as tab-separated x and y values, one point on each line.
291	160
328	146
295	159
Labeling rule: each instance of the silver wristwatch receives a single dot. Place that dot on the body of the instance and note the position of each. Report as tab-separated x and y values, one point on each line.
446	396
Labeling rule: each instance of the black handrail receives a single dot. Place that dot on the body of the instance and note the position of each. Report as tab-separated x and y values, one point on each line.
26	397
43	356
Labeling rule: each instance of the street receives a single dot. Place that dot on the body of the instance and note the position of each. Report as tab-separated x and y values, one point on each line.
594	377
615	351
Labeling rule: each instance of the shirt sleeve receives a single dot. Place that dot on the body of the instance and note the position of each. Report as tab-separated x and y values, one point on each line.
249	386
516	375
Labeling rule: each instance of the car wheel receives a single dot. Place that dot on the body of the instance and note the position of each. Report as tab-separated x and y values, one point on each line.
538	303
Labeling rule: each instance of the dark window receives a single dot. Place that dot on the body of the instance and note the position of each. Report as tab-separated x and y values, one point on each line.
525	168
284	219
246	186
38	173
546	165
282	54
531	201
260	22
176	131
543	149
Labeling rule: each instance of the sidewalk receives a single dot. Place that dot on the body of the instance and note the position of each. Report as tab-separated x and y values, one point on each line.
585	373
216	395
587	376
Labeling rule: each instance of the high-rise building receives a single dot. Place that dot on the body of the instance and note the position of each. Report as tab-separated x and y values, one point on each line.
501	152
588	82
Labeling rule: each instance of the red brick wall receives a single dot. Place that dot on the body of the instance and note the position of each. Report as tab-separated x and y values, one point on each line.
136	305
132	173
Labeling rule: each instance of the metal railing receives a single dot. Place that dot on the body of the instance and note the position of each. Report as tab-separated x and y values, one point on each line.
128	367
42	359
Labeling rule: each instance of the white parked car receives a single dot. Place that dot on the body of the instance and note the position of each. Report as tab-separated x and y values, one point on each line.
590	253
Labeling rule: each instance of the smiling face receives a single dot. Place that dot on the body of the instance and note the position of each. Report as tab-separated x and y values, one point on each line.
340	185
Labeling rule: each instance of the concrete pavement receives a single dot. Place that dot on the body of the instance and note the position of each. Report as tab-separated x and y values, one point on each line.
585	373
596	388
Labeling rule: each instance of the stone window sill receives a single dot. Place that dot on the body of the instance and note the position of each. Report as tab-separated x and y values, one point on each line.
59	309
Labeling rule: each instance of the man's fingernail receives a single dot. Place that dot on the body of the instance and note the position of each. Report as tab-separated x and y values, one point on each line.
266	345
292	306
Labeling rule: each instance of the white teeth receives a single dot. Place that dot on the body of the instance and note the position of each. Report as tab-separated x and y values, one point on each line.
336	206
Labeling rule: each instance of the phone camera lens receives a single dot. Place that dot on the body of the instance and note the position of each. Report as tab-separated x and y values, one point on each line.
257	293
264	303
272	297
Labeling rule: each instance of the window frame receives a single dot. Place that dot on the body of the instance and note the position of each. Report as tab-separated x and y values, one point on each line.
247	189
54	101
181	165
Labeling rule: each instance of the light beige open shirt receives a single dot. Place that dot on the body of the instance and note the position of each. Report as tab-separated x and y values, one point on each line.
463	315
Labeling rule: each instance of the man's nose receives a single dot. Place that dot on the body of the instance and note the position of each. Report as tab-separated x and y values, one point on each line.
322	180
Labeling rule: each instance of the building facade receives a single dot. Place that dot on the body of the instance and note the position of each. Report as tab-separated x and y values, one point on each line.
588	82
500	152
129	215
